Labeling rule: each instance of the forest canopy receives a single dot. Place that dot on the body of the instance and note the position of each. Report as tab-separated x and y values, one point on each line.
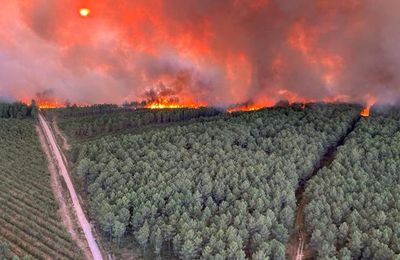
354	212
218	189
89	122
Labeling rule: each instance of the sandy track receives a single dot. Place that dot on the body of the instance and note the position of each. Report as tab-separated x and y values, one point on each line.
84	223
65	212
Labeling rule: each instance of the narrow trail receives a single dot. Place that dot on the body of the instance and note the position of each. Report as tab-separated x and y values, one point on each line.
84	223
298	241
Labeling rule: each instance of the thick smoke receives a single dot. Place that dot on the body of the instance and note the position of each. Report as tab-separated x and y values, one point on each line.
210	52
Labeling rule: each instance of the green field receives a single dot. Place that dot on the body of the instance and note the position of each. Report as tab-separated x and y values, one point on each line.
29	221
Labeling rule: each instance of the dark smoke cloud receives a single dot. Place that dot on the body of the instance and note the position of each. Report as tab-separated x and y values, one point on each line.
217	52
45	94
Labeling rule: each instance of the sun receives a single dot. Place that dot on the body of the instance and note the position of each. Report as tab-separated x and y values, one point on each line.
84	12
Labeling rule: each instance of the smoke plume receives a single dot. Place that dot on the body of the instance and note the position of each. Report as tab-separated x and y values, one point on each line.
207	52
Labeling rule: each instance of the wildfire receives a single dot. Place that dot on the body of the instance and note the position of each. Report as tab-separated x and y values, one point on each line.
244	108
47	104
365	112
163	103
156	105
370	101
43	103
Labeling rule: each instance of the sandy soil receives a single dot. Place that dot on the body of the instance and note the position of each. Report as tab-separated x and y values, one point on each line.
65	212
297	244
57	156
62	170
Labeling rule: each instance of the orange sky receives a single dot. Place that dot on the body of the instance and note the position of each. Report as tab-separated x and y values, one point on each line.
206	52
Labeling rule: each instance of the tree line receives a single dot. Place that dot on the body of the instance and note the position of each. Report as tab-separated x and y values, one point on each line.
81	111
79	127
18	110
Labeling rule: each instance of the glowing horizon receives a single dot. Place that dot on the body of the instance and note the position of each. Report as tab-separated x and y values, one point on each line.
199	53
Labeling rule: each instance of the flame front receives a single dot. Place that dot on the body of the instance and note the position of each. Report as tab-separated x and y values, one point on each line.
163	103
202	52
43	102
244	108
47	104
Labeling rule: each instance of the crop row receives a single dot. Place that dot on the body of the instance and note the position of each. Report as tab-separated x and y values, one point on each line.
29	220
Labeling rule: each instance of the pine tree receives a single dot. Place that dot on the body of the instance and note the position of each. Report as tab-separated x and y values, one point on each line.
188	250
142	236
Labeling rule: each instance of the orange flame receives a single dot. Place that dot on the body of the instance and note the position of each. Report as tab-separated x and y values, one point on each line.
48	106
365	112
370	102
163	103
44	103
244	108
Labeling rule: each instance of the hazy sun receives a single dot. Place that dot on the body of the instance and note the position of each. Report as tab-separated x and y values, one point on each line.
84	12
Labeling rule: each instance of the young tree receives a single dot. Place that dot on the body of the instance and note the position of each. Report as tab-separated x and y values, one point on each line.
119	231
188	250
83	171
344	254
143	234
177	244
259	255
355	244
157	241
34	109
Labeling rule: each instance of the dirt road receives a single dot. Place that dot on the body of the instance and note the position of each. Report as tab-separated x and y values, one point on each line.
300	253
298	247
94	248
66	210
